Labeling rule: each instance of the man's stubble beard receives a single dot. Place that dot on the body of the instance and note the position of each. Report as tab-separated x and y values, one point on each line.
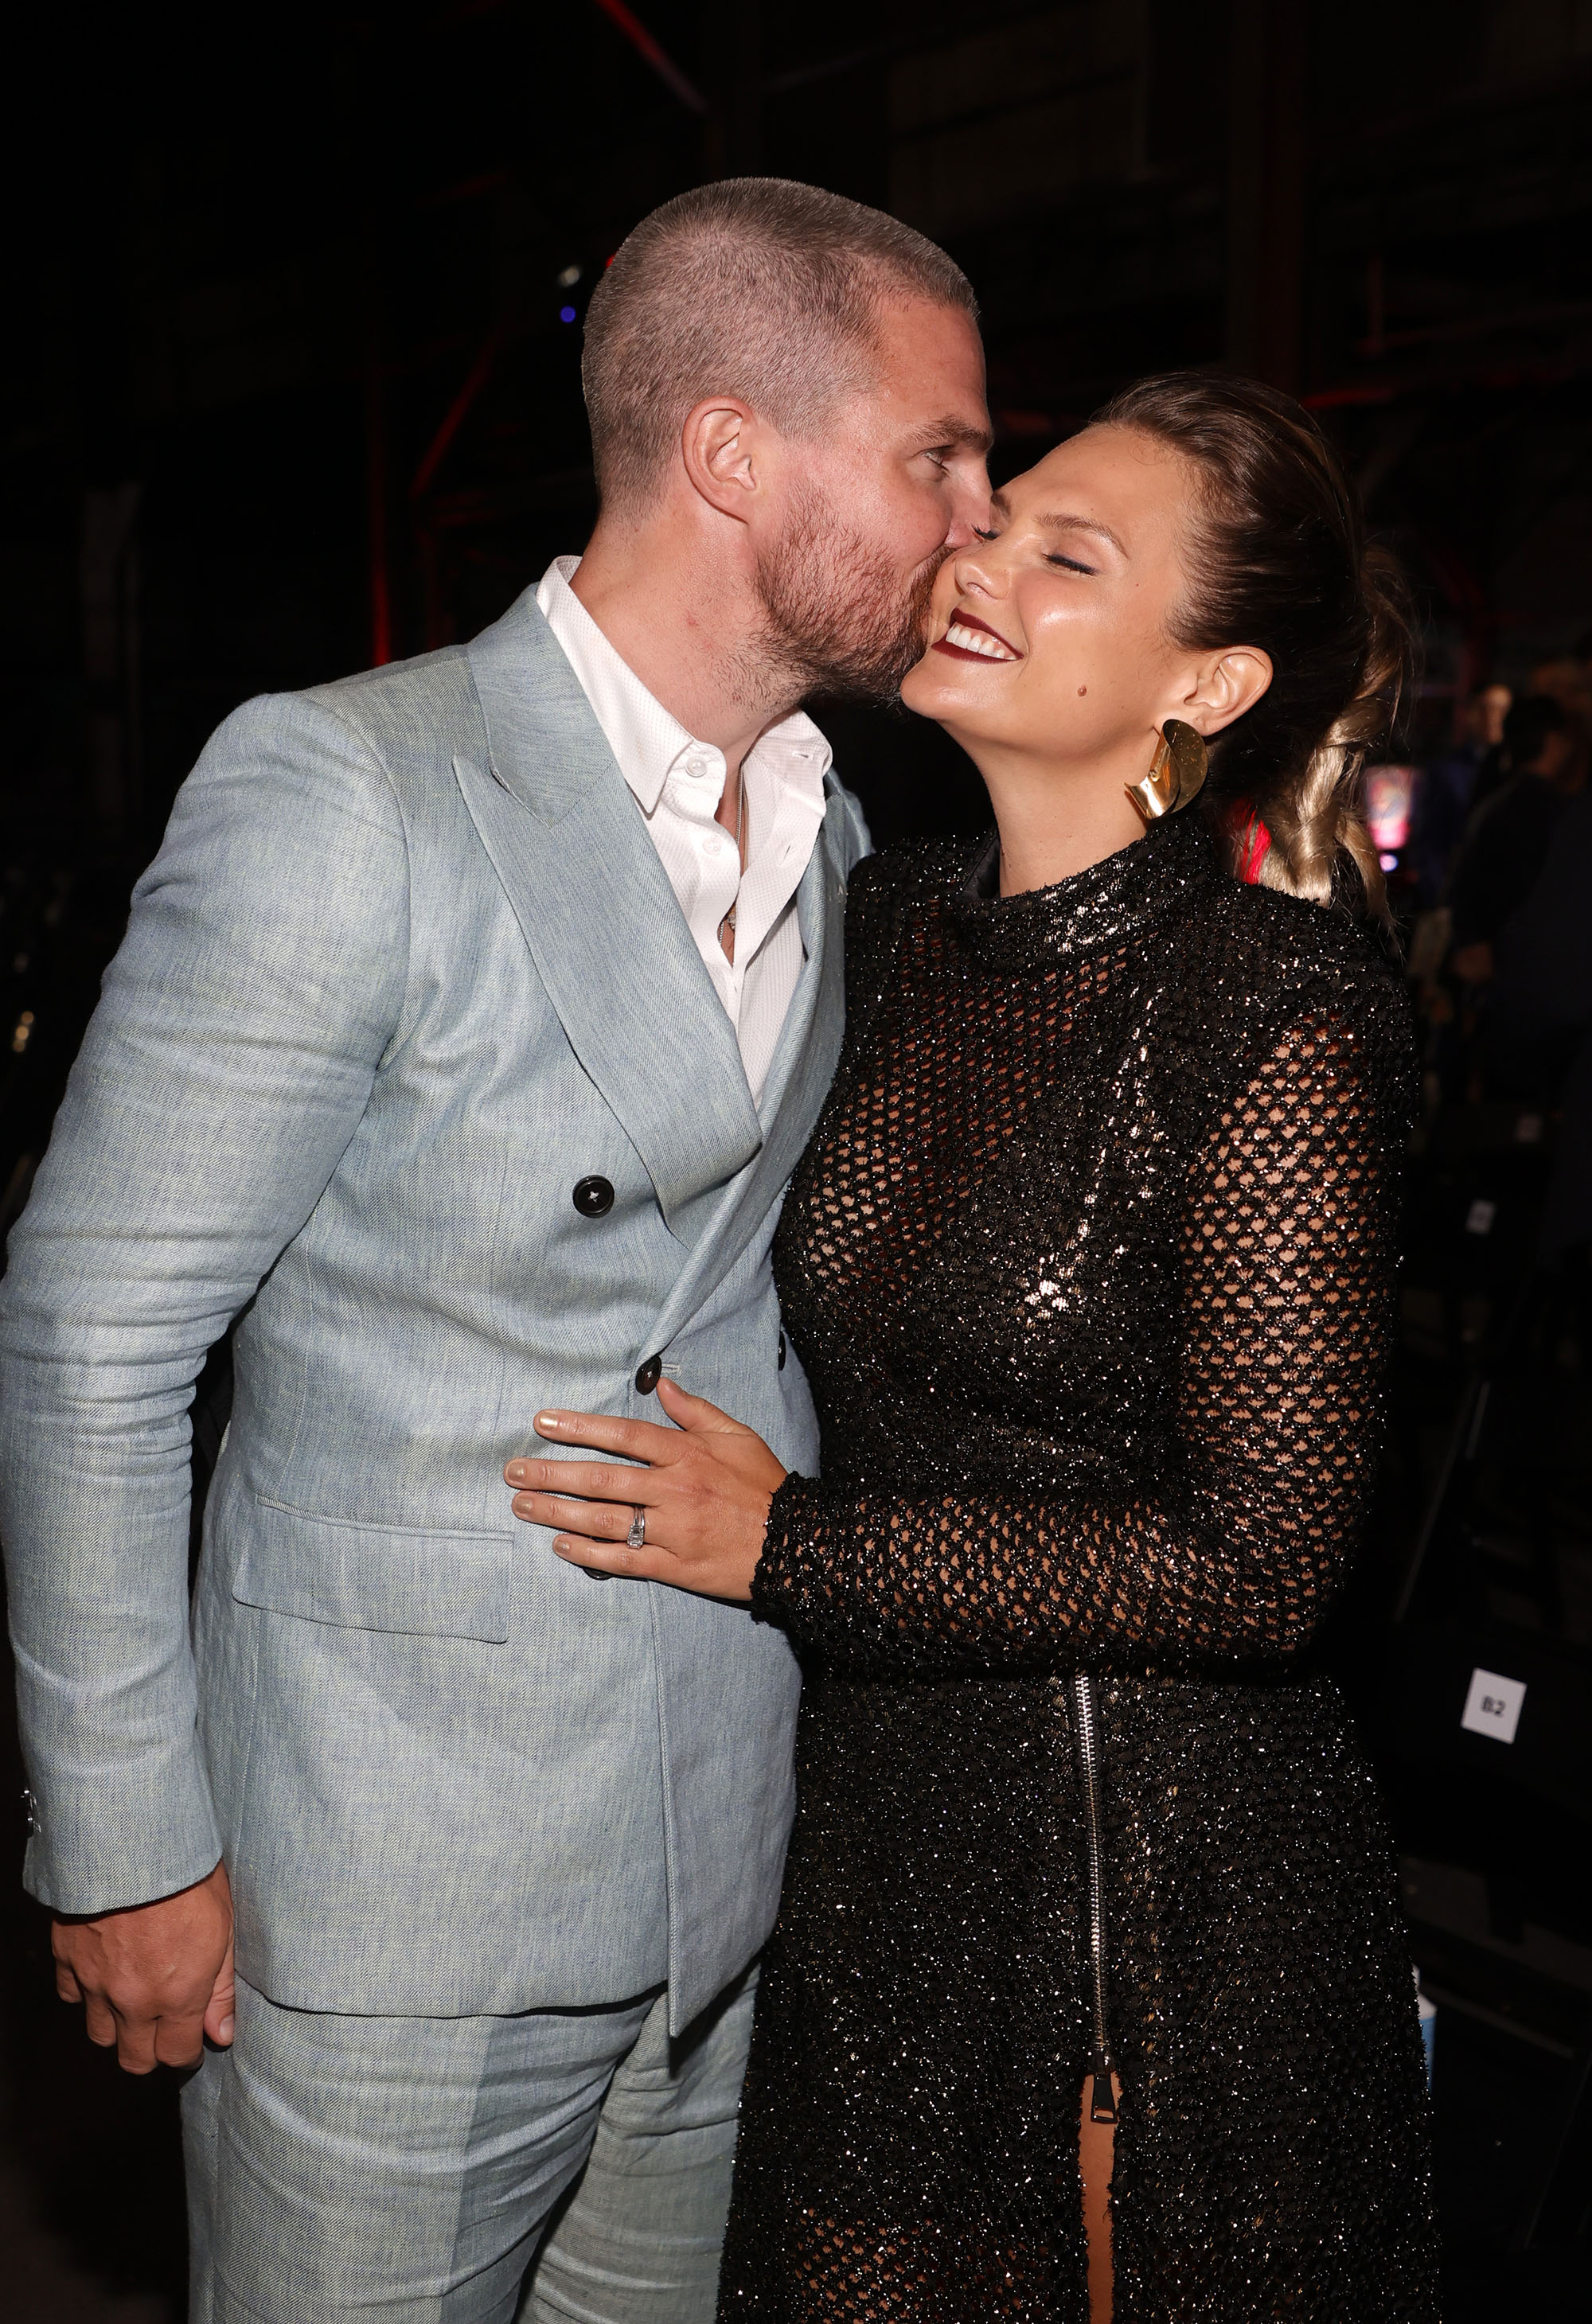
838	618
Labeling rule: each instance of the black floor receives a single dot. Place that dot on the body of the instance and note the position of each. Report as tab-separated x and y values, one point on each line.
1494	2108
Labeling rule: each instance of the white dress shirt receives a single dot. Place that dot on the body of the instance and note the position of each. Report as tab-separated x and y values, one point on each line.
678	784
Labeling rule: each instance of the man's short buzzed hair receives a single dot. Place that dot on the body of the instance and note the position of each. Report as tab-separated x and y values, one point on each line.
754	287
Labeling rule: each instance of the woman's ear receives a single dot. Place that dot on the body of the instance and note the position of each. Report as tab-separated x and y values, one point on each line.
715	447
1225	685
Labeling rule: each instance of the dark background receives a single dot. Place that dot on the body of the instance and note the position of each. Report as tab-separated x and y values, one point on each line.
291	388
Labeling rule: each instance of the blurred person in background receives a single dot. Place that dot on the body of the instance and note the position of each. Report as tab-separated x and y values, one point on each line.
1569	681
1536	1013
1449	786
1508	838
1514	905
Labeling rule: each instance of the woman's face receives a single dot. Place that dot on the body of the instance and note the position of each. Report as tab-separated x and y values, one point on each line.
1049	637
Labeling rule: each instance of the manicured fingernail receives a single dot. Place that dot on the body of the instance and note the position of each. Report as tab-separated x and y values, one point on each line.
547	1422
518	1472
225	2034
521	1505
562	1545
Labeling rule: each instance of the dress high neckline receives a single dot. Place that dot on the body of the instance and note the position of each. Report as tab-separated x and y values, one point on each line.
1117	898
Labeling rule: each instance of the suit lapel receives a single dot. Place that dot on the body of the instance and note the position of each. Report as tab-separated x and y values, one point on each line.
609	940
800	1075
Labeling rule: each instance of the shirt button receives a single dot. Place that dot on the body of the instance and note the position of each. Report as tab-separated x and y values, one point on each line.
781	1352
648	1375
593	1197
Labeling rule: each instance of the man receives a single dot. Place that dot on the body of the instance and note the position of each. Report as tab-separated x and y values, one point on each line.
1451	786
1510	836
458	1047
1539	1030
1569	681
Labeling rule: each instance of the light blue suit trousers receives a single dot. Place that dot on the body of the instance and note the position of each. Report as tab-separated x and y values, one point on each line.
556	2165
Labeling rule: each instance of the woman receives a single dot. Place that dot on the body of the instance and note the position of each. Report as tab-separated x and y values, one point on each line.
1091	1262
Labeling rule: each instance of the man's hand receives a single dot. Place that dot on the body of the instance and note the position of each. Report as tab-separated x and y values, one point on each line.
154	1978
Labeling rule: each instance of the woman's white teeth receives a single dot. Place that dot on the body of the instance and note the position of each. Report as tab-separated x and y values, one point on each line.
979	641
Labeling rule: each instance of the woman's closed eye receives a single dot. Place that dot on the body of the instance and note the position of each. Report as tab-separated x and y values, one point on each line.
1072	564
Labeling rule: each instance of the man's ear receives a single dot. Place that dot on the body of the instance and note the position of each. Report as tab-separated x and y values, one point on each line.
719	447
1223	686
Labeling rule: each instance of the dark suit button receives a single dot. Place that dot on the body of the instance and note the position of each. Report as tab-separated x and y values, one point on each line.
593	1198
648	1375
781	1352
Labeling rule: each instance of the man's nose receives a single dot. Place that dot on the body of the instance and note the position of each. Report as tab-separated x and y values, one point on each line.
969	508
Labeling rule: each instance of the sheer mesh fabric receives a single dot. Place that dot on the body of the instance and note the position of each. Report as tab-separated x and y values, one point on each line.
1089	1263
1285	1259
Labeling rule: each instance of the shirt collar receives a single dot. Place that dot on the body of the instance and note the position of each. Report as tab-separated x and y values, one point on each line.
647	740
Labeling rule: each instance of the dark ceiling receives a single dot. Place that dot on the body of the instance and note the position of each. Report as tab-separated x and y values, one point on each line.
295	374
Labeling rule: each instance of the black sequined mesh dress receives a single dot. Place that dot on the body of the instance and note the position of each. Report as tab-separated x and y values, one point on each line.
1090	1262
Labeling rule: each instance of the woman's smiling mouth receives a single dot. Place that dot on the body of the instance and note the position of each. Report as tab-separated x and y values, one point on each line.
970	639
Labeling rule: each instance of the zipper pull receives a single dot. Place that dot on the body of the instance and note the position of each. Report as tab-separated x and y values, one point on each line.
1102	2105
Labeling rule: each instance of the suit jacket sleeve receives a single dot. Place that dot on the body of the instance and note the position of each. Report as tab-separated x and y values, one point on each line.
224	1073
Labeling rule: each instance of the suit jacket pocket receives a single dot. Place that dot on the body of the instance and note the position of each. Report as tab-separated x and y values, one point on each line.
421	1580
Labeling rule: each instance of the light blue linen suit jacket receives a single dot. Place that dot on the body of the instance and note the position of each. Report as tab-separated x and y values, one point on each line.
406	968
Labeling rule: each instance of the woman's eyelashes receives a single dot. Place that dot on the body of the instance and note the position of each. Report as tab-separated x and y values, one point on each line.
1051	557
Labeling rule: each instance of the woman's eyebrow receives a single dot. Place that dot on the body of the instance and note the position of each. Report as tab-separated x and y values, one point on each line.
1062	523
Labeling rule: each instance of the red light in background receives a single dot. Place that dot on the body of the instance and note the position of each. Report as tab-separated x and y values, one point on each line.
662	62
1390	801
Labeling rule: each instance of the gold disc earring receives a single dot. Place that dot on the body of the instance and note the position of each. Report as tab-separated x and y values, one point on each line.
1176	772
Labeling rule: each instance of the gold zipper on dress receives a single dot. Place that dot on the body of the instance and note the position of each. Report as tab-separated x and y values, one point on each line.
1086	1736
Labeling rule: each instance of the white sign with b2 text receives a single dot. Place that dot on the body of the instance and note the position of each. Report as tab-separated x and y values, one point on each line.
1493	1705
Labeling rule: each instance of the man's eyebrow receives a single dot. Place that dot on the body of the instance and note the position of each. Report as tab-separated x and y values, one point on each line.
953	430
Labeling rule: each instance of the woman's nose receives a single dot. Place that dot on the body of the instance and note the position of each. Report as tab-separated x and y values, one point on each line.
978	567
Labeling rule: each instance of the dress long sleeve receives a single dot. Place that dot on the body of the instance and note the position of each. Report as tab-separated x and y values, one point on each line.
1232	1546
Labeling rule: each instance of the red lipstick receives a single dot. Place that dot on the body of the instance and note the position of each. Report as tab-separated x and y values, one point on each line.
962	620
